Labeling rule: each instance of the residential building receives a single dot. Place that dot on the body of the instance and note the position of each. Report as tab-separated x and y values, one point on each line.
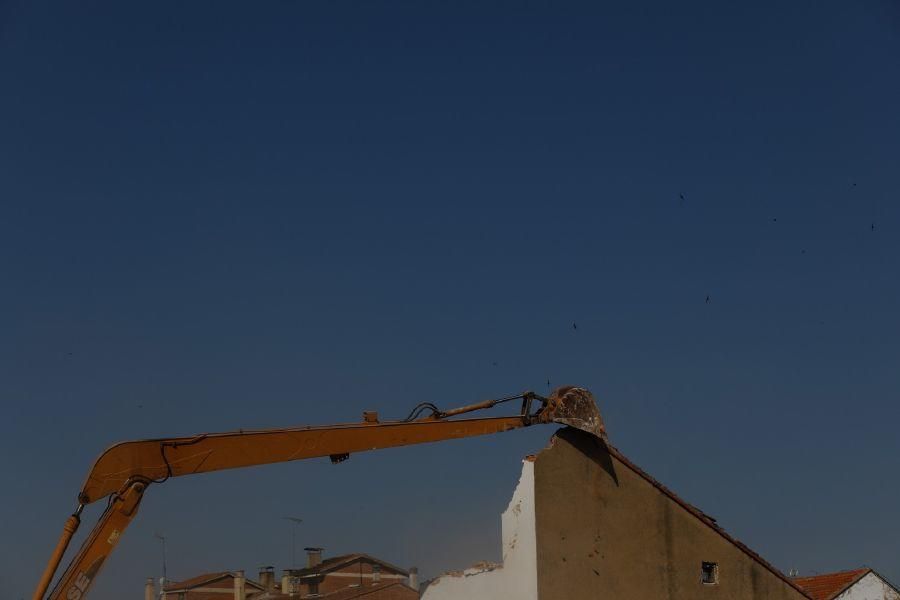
857	584
585	522
342	577
325	576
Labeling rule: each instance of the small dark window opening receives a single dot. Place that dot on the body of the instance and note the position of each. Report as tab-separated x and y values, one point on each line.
709	573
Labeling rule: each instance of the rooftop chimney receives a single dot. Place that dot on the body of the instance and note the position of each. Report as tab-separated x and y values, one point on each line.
149	590
240	589
286	587
313	557
414	578
267	578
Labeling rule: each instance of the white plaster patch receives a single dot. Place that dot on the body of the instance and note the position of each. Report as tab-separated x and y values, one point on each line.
516	578
870	587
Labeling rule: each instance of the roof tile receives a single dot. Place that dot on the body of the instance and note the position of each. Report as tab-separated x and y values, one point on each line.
830	585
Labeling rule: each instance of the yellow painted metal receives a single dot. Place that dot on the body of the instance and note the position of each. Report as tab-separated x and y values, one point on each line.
125	470
69	530
84	568
173	457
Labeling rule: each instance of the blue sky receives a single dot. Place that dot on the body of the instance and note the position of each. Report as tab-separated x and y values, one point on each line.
224	215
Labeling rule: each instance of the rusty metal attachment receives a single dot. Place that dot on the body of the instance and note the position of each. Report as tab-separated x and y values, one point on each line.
568	405
575	407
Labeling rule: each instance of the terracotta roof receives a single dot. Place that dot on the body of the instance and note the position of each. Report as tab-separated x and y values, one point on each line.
359	592
196	581
225	594
709	521
336	562
204	581
328	564
343	594
830	585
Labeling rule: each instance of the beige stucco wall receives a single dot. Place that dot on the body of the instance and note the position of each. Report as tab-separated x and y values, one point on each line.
605	532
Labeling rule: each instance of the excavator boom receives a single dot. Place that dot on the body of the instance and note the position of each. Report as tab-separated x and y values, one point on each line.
124	471
155	460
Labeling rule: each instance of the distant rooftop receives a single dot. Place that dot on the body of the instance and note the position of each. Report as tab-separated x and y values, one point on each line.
830	585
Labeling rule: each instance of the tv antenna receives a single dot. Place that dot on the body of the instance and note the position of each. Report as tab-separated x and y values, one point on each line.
164	580
296	521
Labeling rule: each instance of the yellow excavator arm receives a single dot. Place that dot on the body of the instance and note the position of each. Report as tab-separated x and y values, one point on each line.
123	472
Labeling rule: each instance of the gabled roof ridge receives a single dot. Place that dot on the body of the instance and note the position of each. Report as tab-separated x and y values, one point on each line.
704	518
335	562
350	593
884	579
383	587
204	578
857	574
841	572
196	580
383	562
831	573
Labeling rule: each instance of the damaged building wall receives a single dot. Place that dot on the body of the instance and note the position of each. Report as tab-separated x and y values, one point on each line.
870	587
517	576
586	523
607	530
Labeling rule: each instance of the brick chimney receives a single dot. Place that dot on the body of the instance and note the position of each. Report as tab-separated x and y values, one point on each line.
267	578
240	586
313	557
414	578
149	590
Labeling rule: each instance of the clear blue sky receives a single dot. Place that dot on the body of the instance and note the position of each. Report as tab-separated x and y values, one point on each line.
217	215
